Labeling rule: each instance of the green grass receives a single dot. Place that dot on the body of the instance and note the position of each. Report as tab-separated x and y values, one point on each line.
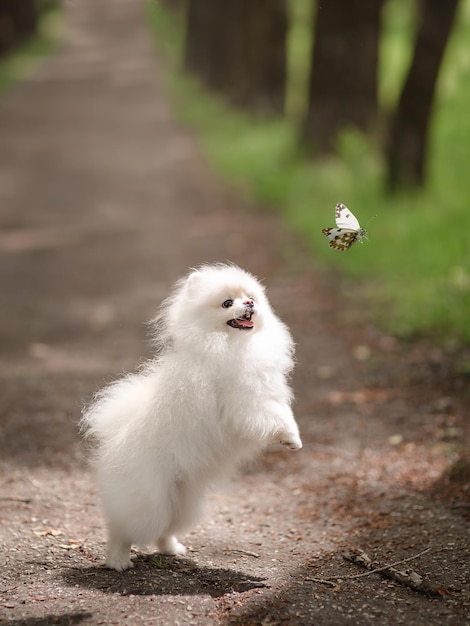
413	273
23	60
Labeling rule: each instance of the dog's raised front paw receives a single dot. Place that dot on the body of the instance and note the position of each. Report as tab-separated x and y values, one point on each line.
291	441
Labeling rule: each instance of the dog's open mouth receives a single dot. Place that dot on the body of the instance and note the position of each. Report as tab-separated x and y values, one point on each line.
242	323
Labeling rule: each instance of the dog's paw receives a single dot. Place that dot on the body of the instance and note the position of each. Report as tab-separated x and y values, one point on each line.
291	441
118	557
170	546
119	563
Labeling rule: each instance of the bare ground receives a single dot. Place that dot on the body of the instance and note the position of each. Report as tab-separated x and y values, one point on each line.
105	201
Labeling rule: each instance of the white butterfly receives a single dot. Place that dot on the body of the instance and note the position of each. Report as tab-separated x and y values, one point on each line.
348	230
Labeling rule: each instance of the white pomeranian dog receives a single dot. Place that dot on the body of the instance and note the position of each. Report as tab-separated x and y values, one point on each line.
214	396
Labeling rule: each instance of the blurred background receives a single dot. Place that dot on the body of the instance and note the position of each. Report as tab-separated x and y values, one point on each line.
303	103
300	104
105	201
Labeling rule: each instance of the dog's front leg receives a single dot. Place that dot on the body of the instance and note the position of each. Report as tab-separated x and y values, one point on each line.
286	430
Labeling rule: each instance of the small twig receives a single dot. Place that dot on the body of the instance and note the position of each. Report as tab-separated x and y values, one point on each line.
324	581
407	577
15	499
253	554
357	559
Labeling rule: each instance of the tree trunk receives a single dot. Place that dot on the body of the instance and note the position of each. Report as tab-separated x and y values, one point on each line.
343	77
239	49
201	19
18	20
409	127
259	55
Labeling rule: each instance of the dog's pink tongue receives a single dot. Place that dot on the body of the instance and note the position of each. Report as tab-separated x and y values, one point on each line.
245	323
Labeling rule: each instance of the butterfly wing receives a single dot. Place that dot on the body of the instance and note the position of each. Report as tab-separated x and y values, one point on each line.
340	239
347	231
345	218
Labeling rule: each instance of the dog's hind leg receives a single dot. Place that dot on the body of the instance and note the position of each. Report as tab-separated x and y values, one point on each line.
169	544
118	556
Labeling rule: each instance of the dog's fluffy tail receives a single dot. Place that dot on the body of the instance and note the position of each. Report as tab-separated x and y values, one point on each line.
115	407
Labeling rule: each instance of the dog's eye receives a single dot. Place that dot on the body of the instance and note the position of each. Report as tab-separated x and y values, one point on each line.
227	304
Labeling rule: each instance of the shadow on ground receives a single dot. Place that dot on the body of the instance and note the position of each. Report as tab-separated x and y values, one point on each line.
162	575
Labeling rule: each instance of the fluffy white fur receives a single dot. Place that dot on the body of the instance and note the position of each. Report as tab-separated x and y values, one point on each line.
213	397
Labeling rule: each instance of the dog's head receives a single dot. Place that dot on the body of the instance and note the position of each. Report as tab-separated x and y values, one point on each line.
225	298
214	303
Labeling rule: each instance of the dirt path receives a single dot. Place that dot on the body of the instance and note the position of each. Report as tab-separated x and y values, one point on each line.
104	201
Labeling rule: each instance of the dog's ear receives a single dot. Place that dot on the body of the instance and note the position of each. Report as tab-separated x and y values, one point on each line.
193	282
